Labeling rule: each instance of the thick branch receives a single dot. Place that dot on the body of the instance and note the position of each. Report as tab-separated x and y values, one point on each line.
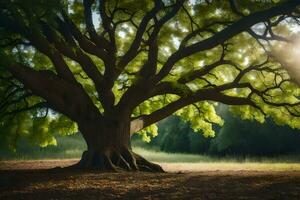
82	40
99	40
70	49
209	94
17	25
239	26
149	68
133	49
56	91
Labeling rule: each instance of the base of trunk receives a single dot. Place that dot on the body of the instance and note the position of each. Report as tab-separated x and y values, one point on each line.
124	160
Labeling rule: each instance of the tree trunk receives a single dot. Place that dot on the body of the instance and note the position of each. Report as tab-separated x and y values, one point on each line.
109	148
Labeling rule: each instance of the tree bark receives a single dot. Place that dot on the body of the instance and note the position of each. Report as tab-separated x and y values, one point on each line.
109	148
107	135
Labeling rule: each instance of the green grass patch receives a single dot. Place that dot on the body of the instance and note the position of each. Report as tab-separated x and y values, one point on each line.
73	146
163	157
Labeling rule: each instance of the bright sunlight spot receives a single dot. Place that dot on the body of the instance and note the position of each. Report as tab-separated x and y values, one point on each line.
288	55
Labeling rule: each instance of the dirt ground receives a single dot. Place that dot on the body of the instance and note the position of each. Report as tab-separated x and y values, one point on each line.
33	180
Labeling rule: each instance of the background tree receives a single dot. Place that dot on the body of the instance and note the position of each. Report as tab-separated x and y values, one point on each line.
116	67
236	137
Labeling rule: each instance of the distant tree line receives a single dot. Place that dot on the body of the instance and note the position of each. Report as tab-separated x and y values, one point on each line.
236	137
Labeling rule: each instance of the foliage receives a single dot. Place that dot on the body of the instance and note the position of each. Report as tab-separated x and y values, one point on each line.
237	137
67	147
190	55
252	138
38	130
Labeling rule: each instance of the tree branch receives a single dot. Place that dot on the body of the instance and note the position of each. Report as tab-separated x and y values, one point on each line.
99	40
58	92
143	121
237	27
133	49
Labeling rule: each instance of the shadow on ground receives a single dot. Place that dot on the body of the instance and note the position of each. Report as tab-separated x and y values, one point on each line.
61	184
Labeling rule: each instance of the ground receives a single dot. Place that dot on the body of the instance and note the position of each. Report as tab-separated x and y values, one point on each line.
34	180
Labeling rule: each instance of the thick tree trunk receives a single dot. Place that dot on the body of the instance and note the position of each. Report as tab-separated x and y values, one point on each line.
109	149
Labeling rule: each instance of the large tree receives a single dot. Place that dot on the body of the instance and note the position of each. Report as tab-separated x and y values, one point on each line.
117	67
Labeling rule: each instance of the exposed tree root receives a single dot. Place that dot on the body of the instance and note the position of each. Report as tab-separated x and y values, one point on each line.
125	160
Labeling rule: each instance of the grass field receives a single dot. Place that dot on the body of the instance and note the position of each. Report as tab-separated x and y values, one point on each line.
74	150
71	147
158	156
178	162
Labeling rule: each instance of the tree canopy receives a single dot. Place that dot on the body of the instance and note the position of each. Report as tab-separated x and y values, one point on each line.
151	59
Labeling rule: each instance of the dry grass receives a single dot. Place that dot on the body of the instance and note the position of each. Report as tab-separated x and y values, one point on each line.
169	167
227	166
